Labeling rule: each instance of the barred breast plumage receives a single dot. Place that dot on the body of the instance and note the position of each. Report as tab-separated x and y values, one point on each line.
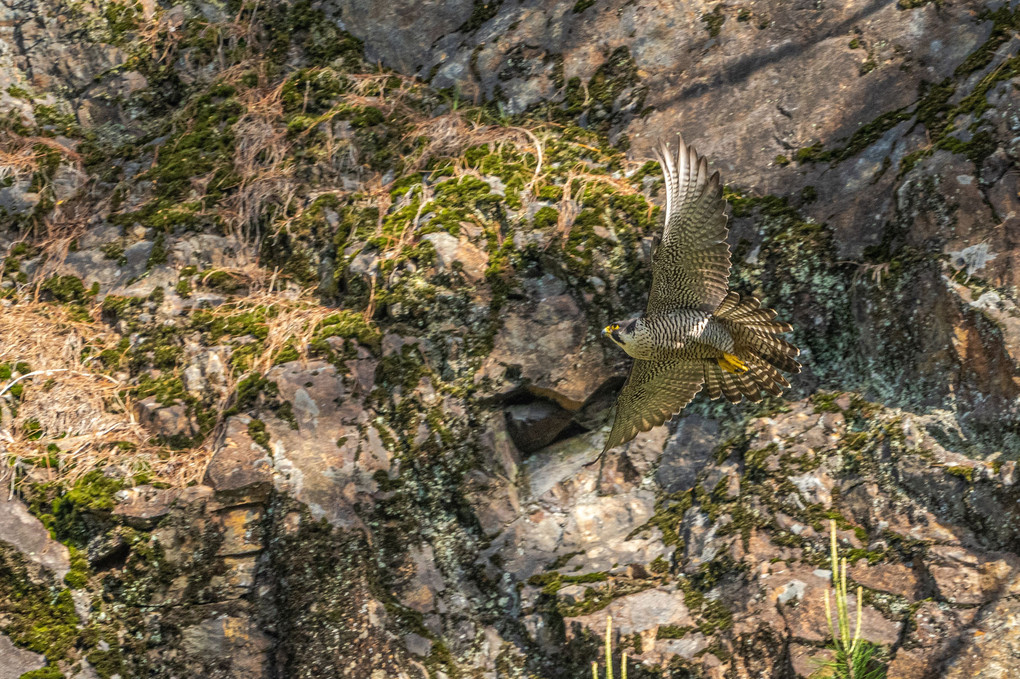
688	333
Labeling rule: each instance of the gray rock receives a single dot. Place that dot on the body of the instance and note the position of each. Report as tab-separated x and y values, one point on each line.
143	506
687	452
163	420
231	637
544	344
329	460
417	644
459	252
240	469
27	534
536	424
16	661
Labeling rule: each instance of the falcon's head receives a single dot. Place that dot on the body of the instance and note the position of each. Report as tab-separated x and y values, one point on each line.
620	333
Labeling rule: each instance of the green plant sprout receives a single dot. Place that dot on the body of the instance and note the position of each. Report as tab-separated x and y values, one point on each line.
609	655
855	657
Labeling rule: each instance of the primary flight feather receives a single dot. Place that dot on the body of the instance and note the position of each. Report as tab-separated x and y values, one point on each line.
695	331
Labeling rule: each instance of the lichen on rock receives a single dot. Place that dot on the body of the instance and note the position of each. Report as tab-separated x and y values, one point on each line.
317	288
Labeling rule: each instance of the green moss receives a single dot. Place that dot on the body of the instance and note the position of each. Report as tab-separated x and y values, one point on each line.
714	21
350	325
114	250
672	632
825	402
158	254
298	25
582	5
872	557
121	18
669	513
935	113
585	578
19	92
285	411
551	582
367	116
562	560
1004	24
597	598
401	370
257	432
659	565
48	672
545	217
67	289
811	154
116	307
310	92
610	81
931	107
78	575
864	136
52	119
287	353
39	618
106	663
250	323
203	145
965	473
248	391
88	504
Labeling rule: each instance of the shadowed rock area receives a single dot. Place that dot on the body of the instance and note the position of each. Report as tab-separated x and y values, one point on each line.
300	364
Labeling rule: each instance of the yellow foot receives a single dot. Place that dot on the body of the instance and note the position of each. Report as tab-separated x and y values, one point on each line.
732	364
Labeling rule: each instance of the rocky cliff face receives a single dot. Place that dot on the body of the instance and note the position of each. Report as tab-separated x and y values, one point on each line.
300	363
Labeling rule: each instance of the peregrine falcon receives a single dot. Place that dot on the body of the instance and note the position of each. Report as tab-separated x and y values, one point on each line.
695	331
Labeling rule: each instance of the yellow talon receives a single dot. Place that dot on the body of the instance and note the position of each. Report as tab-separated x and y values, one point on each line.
732	364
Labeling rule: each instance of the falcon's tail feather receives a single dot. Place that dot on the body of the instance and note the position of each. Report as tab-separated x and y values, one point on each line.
758	345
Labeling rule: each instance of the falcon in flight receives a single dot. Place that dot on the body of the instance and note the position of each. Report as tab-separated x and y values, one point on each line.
695	332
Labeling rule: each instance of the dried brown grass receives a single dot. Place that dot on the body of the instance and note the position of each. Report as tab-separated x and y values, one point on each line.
261	159
451	134
295	318
20	155
65	402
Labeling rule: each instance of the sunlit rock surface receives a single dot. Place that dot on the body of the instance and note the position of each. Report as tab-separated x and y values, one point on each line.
300	350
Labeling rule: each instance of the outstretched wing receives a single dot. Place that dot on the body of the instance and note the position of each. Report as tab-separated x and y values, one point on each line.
691	266
655	391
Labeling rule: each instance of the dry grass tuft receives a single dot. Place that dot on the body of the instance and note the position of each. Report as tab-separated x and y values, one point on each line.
68	418
451	134
261	155
291	321
20	155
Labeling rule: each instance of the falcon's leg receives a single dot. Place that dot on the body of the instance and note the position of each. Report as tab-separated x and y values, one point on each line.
732	364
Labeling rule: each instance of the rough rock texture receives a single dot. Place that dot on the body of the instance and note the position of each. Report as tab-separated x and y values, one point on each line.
341	268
